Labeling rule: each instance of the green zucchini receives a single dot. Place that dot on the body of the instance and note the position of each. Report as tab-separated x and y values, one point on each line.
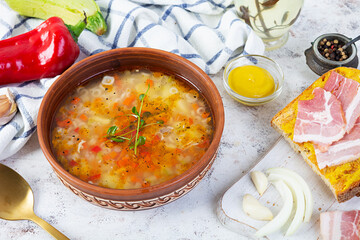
71	12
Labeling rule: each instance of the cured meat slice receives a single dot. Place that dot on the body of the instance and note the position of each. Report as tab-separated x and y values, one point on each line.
345	150
319	120
339	225
347	92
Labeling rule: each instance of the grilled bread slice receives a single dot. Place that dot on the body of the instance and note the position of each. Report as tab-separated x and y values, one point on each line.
344	179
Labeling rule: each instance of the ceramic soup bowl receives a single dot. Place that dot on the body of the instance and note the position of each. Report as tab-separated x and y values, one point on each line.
129	59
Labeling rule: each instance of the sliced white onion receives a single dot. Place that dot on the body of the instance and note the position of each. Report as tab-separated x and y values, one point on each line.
145	74
117	149
166	129
161	136
80	145
309	202
282	217
298	196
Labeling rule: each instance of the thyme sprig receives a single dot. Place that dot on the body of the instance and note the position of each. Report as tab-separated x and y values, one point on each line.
139	140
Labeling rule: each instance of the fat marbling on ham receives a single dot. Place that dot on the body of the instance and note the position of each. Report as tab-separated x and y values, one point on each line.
347	92
319	120
345	150
339	225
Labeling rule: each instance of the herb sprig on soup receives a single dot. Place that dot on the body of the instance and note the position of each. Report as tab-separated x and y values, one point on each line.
131	129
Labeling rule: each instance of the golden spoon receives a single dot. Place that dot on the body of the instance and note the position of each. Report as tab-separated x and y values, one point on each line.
17	201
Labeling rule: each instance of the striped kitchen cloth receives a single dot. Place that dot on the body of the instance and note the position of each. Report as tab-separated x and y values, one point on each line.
206	32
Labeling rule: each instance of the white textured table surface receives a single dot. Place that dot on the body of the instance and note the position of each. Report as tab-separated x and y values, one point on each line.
247	135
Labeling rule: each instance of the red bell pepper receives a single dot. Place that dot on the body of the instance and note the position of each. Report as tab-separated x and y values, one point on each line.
45	51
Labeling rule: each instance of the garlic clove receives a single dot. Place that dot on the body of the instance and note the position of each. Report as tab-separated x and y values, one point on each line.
254	209
8	108
260	181
5	105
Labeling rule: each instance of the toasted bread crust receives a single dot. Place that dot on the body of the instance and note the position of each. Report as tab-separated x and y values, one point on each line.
284	122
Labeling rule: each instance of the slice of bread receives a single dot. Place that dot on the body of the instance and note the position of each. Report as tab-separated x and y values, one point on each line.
344	179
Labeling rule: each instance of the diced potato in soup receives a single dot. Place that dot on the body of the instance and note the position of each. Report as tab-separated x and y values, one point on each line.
131	129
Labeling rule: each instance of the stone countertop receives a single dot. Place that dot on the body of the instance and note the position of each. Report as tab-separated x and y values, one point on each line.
247	135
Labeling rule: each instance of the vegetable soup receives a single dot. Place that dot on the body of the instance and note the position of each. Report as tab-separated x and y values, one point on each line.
131	129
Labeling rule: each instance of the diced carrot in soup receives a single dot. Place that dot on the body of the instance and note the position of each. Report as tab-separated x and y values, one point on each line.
123	162
149	82
83	117
65	123
73	163
191	121
64	152
205	115
129	100
195	106
75	100
94	177
145	184
115	106
95	141
110	156
155	140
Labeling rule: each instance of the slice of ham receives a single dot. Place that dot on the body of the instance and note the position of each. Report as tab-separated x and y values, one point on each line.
319	120
339	225
347	92
345	150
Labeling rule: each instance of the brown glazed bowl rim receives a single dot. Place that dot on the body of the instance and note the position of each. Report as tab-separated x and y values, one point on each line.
147	192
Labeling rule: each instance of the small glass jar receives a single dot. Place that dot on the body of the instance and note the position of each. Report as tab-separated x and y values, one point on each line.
256	60
320	65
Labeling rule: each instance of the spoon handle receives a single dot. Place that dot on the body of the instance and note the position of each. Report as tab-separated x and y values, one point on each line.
50	229
351	42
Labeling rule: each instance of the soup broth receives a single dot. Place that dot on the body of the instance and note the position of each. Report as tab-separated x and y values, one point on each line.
131	129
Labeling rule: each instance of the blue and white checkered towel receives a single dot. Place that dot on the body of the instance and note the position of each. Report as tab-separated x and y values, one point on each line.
207	32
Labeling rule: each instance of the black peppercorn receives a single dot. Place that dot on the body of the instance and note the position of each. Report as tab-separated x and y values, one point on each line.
332	49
